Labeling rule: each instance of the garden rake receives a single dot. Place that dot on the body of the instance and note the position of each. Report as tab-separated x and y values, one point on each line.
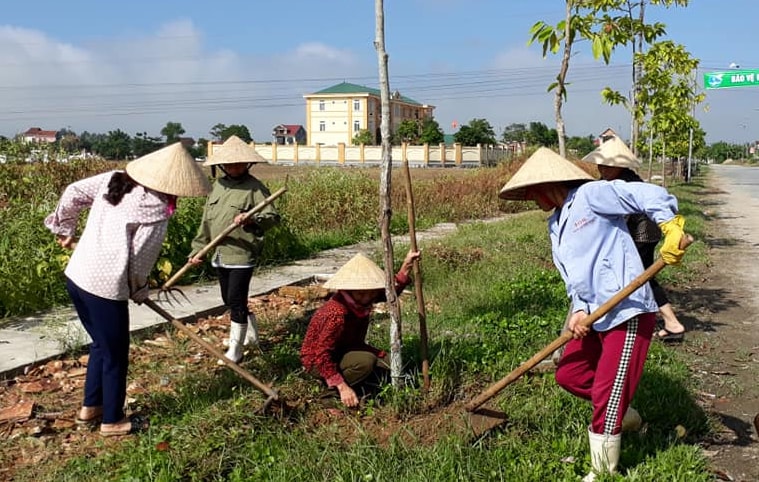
271	394
167	292
483	419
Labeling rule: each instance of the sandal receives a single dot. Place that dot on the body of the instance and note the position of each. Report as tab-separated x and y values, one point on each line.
670	336
136	424
89	415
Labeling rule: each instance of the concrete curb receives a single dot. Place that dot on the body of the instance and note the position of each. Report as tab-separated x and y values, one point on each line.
32	340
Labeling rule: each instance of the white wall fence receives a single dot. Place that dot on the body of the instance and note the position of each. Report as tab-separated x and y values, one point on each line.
425	155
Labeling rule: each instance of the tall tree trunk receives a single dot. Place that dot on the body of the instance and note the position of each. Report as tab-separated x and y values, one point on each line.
386	210
636	73
560	80
650	154
663	161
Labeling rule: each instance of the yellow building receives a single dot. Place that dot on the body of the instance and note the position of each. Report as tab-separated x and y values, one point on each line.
336	114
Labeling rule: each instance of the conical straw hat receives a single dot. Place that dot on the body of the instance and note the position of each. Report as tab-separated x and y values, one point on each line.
360	273
234	150
614	153
542	167
170	170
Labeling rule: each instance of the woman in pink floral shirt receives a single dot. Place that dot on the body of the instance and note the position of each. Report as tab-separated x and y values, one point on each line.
126	225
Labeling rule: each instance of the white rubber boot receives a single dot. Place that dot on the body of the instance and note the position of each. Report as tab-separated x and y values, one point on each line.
251	338
632	420
236	337
604	454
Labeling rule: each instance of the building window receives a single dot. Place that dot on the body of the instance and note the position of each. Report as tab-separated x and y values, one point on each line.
356	126
356	104
321	105
397	111
322	126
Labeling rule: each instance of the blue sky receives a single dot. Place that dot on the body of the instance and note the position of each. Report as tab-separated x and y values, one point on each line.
95	65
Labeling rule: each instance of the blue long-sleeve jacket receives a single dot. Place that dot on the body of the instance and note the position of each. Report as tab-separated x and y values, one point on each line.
593	250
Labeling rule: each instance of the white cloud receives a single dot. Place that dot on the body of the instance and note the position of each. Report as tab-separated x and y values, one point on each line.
140	82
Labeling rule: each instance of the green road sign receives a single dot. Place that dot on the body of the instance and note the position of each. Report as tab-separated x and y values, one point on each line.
731	78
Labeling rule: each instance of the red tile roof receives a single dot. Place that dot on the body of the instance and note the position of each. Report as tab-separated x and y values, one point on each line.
37	132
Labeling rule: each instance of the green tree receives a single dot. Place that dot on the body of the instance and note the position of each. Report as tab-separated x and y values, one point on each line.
477	131
408	131
632	25
514	133
172	131
667	97
432	133
721	151
143	144
201	150
363	137
116	145
579	20
238	130
67	140
540	134
580	146
217	130
607	24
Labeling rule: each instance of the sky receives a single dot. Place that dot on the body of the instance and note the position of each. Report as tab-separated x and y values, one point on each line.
93	65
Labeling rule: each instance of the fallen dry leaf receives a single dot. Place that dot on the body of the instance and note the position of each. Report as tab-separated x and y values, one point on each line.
77	372
38	386
63	423
19	412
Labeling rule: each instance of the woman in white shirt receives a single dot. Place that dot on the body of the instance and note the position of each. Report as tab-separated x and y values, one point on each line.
128	216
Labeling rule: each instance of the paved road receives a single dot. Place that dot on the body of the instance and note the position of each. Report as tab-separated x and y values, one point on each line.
740	213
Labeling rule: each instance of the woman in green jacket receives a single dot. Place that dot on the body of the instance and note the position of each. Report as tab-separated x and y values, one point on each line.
235	256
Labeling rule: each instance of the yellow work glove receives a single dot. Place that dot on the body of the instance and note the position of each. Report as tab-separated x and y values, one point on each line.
673	232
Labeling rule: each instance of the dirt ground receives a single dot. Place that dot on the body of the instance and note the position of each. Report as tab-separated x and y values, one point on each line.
720	311
721	314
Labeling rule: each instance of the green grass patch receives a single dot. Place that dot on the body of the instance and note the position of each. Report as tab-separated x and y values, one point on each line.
494	299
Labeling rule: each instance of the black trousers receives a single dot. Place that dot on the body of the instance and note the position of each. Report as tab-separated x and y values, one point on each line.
235	284
647	251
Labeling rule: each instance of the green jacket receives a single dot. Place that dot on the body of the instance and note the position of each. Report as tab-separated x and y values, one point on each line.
228	198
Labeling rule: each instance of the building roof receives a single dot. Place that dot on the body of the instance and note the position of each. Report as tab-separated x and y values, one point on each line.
290	129
348	88
37	132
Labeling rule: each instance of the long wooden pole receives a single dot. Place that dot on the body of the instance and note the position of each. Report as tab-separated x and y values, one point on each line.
420	309
271	393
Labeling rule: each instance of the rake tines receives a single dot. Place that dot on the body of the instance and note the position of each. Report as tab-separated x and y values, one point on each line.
169	294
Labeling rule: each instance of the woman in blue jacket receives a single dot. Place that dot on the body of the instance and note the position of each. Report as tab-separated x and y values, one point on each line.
596	257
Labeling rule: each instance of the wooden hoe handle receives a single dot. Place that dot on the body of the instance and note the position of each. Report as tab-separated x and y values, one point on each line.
215	241
212	350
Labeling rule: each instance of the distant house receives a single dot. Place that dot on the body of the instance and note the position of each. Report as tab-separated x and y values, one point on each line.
289	134
187	142
336	114
35	134
606	135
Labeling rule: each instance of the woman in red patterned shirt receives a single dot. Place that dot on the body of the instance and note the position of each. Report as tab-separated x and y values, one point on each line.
334	348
